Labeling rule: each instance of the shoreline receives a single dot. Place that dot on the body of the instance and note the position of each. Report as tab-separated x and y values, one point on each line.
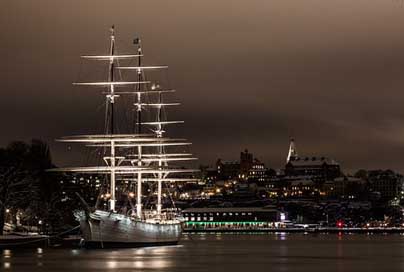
302	230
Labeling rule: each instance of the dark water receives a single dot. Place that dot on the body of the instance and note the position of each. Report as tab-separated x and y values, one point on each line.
227	252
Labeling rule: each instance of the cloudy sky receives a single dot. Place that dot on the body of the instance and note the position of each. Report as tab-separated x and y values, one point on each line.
250	74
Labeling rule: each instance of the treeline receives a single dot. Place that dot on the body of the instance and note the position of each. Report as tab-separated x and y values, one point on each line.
29	194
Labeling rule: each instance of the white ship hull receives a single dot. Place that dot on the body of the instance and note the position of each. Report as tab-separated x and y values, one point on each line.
105	229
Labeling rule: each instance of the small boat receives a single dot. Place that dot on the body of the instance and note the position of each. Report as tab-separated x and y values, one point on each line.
12	241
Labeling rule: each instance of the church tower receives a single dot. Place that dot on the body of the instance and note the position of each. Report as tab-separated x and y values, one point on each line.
292	154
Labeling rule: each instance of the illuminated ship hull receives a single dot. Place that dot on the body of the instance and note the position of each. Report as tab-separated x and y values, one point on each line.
103	229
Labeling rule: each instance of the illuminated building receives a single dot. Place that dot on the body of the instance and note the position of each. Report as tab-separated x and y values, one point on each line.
301	188
316	168
259	173
248	169
237	218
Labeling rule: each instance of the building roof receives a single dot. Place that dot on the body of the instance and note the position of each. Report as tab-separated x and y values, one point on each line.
231	209
312	161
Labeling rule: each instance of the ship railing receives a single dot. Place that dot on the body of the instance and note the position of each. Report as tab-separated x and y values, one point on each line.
164	217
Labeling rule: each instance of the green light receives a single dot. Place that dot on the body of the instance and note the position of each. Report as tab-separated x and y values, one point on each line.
224	222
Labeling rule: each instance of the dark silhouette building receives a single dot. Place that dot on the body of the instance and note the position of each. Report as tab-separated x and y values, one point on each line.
227	170
246	162
385	182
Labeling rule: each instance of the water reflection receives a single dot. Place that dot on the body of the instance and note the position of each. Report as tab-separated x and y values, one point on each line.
150	258
281	236
221	252
6	253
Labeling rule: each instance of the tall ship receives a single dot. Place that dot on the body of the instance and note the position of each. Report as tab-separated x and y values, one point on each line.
138	158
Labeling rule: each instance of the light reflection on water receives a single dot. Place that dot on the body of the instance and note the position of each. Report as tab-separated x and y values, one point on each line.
220	252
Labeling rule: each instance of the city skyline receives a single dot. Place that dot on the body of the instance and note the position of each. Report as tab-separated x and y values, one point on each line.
265	73
290	155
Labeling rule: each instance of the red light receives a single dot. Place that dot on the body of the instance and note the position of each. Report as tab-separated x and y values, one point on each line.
340	224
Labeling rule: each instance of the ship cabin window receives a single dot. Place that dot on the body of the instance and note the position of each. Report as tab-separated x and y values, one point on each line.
198	219
192	218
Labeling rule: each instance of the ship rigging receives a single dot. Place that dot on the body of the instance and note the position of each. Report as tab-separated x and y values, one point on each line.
135	155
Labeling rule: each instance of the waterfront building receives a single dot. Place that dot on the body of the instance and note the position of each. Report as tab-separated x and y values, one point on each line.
233	218
386	183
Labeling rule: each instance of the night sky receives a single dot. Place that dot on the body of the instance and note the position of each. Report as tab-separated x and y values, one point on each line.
250	74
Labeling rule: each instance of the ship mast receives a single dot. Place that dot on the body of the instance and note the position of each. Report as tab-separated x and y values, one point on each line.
160	175
139	131
111	100
138	93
